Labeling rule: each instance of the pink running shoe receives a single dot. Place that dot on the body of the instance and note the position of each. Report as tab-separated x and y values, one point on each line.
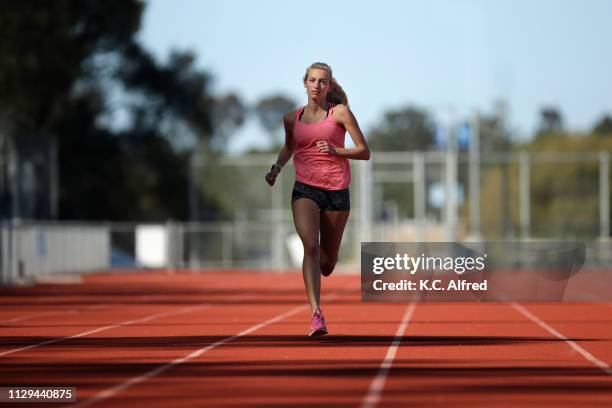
317	325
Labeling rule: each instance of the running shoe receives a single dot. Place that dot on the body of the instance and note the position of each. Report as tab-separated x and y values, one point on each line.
317	325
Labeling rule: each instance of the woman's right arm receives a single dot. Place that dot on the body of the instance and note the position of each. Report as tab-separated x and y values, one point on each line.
286	151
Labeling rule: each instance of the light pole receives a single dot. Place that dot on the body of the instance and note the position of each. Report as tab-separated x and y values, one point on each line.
450	173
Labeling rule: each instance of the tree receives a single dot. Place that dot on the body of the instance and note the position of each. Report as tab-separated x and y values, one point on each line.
47	47
228	114
551	121
62	65
564	196
495	137
604	126
173	92
270	111
47	57
404	129
493	128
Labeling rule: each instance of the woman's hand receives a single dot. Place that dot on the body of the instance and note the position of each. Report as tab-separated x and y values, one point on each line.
325	147
271	176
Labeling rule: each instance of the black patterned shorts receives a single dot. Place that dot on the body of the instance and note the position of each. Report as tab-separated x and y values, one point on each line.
327	200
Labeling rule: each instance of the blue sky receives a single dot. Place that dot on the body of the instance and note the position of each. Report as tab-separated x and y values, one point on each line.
449	56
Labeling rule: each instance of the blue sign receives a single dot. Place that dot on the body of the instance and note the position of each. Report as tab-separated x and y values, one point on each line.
463	135
440	136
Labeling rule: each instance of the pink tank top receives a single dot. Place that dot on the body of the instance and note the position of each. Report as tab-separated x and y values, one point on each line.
315	168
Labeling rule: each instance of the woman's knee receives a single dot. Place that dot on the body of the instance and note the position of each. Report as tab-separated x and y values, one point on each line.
311	249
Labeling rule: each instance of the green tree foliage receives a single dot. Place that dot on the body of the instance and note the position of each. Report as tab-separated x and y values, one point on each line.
564	194
228	114
495	137
63	67
172	92
604	126
493	128
404	129
45	47
407	128
270	111
551	122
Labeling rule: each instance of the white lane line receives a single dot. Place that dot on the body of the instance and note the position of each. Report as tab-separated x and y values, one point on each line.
121	324
99	306
112	391
43	314
599	363
55	313
378	383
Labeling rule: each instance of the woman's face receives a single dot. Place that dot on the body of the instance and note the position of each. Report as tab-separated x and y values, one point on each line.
317	84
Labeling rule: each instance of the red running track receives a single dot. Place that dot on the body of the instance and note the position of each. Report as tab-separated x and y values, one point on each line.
238	339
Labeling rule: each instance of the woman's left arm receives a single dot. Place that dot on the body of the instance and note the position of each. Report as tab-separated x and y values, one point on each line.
344	116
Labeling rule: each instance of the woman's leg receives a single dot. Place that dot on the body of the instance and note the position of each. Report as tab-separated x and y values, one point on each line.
332	229
306	220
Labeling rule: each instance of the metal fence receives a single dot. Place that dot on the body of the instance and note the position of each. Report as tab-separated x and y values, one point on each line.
32	249
409	196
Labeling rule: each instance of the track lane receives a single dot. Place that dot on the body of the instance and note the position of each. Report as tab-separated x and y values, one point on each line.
488	355
457	354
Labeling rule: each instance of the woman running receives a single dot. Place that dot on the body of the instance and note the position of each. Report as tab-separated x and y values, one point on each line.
314	136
